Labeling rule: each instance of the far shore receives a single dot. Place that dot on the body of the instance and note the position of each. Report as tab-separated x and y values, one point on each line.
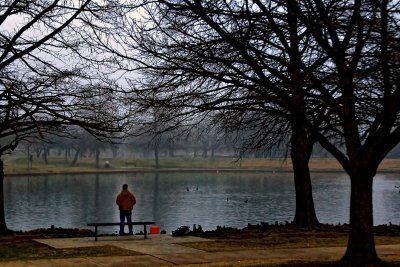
317	165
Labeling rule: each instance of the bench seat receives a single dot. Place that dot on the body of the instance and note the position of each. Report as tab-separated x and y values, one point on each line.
96	225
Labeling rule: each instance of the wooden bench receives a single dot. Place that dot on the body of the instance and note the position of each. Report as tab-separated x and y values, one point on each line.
96	225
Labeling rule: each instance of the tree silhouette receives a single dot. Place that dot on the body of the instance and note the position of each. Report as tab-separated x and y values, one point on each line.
45	79
199	58
330	68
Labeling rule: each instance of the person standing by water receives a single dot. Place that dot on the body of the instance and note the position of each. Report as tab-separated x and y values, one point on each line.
125	201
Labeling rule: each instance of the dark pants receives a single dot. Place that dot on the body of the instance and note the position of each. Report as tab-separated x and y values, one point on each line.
122	215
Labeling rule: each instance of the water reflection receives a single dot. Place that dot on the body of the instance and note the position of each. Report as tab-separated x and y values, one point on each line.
175	199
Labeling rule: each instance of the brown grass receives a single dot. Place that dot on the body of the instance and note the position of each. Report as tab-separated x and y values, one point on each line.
24	248
18	165
292	238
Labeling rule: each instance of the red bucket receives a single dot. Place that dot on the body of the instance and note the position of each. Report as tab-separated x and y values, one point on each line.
154	230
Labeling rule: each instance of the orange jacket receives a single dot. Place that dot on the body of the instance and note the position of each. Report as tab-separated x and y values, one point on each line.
125	200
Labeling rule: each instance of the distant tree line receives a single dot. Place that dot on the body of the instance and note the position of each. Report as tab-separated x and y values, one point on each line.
200	145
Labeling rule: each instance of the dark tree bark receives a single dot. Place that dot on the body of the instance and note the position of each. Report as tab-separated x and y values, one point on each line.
305	216
361	245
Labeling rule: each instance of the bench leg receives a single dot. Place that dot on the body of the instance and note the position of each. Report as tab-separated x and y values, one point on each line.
95	233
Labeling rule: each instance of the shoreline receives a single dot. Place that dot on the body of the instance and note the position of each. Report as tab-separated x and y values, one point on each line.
171	170
390	229
258	166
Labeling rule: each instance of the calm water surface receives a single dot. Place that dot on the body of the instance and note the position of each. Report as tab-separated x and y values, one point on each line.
175	199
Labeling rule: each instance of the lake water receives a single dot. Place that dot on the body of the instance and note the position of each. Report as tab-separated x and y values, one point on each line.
175	199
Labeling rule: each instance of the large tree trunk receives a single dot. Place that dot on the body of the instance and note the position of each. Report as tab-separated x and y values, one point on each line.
305	216
301	141
3	226
361	244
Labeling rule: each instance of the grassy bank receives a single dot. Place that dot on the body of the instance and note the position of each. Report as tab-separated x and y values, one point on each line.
19	165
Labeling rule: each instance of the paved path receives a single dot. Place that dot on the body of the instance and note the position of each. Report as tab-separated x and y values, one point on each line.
165	250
